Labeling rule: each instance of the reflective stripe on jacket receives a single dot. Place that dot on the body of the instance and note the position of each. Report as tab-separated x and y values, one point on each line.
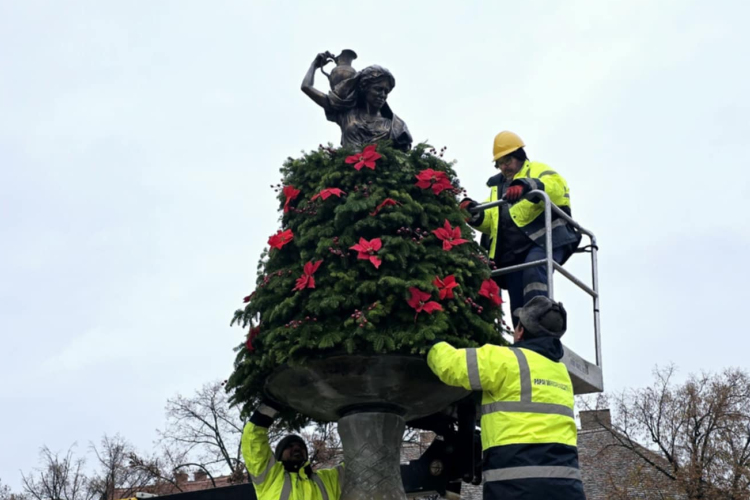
528	215
528	426
273	482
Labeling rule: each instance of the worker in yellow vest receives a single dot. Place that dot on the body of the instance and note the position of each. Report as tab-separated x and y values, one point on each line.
514	233
286	473
529	436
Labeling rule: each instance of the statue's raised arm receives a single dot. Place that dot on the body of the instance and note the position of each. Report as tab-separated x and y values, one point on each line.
307	83
357	102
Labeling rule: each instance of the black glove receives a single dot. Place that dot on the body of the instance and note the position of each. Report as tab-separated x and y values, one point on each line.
476	217
272	404
265	413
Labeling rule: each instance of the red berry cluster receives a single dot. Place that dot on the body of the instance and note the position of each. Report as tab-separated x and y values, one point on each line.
506	327
309	209
277	188
267	278
295	323
364	190
474	305
360	316
417	234
335	249
437	153
486	261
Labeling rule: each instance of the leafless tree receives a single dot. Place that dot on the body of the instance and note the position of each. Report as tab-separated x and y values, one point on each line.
324	445
163	468
696	434
205	429
115	476
7	494
57	478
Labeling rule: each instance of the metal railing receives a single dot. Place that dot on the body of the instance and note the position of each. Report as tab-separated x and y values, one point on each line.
550	263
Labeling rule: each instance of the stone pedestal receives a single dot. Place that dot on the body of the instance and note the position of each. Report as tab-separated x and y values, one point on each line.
371	398
372	449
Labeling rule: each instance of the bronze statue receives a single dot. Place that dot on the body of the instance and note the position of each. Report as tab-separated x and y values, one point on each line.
357	101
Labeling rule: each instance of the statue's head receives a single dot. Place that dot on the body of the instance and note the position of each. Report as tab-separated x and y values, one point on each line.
373	86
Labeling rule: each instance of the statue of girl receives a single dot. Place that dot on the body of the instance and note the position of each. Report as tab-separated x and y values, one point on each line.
358	105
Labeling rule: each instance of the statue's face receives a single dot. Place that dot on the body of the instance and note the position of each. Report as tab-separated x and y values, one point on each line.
377	93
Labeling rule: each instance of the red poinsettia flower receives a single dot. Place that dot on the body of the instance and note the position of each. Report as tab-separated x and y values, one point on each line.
435	179
368	249
388	202
490	290
445	286
307	280
290	193
281	238
366	158
327	192
420	301
250	337
450	236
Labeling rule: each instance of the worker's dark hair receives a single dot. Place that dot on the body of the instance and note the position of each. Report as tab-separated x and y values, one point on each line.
526	333
519	154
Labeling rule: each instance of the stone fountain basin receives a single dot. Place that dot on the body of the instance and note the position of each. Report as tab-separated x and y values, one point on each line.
328	388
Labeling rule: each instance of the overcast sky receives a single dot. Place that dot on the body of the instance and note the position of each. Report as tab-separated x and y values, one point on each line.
138	141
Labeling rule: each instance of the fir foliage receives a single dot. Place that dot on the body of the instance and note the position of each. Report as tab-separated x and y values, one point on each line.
356	307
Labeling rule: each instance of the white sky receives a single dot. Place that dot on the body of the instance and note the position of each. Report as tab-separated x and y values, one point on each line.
138	141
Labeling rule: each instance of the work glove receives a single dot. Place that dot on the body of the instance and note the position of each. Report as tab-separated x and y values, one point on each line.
271	404
265	413
475	217
514	193
467	204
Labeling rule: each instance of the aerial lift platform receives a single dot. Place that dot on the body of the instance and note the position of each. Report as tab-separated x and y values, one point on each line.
586	376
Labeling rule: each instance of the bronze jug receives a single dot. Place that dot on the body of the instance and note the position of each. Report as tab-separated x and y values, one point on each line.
343	69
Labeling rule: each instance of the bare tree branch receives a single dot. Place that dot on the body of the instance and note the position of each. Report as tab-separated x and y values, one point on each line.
57	478
206	429
699	431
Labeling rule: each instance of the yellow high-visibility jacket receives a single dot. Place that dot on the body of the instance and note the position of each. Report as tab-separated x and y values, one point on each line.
528	426
273	482
528	215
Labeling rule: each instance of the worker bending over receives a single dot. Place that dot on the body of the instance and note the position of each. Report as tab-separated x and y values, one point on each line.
528	428
286	473
514	233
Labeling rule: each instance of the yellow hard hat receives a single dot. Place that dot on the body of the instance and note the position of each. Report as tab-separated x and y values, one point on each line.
505	143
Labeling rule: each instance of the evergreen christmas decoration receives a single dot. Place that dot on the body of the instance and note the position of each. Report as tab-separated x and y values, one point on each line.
373	256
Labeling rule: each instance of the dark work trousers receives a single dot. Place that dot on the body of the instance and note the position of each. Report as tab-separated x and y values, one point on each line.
529	283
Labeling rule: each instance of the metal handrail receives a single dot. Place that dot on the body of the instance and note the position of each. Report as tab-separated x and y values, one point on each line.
550	263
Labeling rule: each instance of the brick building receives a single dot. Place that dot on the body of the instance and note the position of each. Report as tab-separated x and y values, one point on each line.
612	472
184	484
